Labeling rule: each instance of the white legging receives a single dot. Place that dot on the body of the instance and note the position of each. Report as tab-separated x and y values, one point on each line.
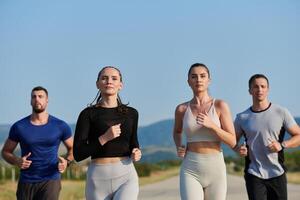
113	181
203	177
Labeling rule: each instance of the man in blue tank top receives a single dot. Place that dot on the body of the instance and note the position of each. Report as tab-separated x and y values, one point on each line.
263	125
39	136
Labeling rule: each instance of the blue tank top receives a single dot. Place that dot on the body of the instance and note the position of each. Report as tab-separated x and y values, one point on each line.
196	133
43	142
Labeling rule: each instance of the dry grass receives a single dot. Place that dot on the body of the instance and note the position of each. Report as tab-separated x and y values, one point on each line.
293	177
72	190
8	190
159	176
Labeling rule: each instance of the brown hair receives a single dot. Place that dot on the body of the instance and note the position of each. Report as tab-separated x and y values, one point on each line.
38	88
100	72
121	107
256	76
199	65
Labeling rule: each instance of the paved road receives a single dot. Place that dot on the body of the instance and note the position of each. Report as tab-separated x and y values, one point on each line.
168	190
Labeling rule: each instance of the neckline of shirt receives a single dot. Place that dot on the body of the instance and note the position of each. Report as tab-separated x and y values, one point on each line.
260	110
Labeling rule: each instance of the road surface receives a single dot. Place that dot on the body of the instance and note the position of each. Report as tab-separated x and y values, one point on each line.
169	190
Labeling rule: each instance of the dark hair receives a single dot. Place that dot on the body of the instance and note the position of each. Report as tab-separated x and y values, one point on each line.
256	76
100	72
38	88
121	107
199	65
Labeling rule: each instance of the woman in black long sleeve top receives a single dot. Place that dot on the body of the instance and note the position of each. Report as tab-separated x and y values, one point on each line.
107	132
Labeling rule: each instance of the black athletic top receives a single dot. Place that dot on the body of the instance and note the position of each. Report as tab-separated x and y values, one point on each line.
94	121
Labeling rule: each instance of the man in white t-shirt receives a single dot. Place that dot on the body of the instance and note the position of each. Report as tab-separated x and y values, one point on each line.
263	126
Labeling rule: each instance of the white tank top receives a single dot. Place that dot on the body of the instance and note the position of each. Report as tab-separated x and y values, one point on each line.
197	133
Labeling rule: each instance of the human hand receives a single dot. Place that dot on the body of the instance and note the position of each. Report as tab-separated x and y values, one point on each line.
62	164
23	163
136	154
181	151
243	151
111	133
203	119
274	146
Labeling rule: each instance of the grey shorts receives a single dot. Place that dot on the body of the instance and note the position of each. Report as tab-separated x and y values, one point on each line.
203	176
117	181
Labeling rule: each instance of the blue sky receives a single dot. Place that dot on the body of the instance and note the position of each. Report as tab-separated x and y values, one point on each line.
62	45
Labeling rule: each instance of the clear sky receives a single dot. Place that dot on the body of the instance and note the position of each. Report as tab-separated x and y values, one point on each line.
62	45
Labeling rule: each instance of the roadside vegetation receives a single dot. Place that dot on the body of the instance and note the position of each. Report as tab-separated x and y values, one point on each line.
73	183
235	165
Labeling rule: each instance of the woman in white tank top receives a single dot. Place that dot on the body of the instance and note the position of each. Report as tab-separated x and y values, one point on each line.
206	122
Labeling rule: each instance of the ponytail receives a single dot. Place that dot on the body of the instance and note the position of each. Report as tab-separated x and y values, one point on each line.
122	108
97	97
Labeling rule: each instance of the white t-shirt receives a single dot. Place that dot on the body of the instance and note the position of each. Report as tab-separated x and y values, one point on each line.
259	128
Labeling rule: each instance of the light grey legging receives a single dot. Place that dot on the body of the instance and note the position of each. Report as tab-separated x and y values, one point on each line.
203	177
113	181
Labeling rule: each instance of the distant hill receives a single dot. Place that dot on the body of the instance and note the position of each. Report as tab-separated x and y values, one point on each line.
156	140
158	153
156	134
4	129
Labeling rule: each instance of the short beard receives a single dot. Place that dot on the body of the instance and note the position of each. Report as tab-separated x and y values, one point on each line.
37	111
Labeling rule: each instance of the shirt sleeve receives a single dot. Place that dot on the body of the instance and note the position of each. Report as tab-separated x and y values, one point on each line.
83	148
66	131
289	120
237	125
134	138
13	133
